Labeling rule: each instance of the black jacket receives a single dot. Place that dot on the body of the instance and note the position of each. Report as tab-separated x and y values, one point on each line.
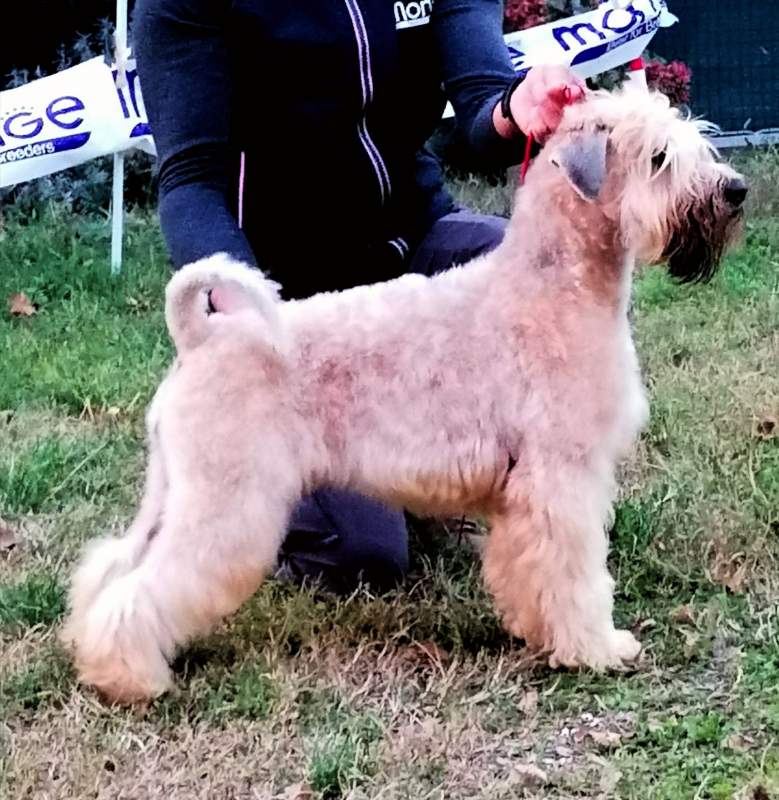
331	103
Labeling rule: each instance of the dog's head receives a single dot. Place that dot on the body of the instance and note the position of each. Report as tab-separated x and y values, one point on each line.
655	173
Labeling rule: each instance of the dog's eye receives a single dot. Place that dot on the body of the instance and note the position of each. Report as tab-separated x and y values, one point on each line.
658	159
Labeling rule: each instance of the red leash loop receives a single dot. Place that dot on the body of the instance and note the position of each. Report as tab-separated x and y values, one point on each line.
567	100
636	67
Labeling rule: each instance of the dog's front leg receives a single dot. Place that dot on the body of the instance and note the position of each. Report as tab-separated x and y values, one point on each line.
545	564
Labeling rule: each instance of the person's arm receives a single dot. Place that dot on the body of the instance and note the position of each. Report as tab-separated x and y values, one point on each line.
180	48
478	71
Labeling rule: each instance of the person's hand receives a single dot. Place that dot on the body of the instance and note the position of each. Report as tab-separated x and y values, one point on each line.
538	102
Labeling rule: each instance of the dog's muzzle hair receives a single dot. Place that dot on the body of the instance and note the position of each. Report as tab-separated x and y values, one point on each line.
706	226
646	163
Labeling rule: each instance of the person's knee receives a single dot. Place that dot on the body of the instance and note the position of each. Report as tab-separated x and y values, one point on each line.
479	233
380	565
343	539
458	238
491	232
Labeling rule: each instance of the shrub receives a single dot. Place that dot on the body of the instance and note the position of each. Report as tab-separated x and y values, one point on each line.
672	79
521	14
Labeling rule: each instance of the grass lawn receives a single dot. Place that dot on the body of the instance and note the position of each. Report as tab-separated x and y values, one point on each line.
417	693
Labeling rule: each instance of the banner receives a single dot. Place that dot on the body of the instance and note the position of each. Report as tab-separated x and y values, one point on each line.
613	34
594	42
69	118
94	110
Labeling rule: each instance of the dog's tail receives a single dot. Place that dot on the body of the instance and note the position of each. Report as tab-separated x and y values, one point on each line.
207	293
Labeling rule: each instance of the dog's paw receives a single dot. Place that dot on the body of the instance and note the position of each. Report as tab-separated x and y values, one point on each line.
119	685
625	646
614	650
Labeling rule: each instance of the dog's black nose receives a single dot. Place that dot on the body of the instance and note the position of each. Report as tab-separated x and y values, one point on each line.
735	192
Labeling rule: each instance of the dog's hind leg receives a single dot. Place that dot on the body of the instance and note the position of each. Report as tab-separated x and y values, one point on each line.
545	564
216	543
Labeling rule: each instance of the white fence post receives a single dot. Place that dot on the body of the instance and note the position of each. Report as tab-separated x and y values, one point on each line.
117	205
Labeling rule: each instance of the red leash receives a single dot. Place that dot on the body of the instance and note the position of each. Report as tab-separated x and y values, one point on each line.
637	73
567	100
526	161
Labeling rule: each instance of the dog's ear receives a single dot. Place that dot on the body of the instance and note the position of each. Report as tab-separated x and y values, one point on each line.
582	157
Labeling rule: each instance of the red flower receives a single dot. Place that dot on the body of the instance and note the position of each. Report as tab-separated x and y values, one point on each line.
672	79
521	14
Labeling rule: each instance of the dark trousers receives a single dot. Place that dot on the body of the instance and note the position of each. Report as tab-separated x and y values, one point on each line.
340	537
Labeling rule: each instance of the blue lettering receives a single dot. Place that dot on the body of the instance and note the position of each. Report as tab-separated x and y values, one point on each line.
561	31
54	114
19	133
132	84
635	14
132	87
120	95
517	57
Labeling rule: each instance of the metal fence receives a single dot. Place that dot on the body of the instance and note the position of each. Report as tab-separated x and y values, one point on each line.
732	48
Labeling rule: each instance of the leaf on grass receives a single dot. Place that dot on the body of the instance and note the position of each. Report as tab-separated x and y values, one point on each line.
423	654
683	615
433	652
728	569
740	743
765	427
19	305
732	577
605	739
8	538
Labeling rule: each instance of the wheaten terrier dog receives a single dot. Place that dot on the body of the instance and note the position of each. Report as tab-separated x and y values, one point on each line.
508	386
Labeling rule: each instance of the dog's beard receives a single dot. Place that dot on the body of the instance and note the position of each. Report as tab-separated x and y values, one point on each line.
695	247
